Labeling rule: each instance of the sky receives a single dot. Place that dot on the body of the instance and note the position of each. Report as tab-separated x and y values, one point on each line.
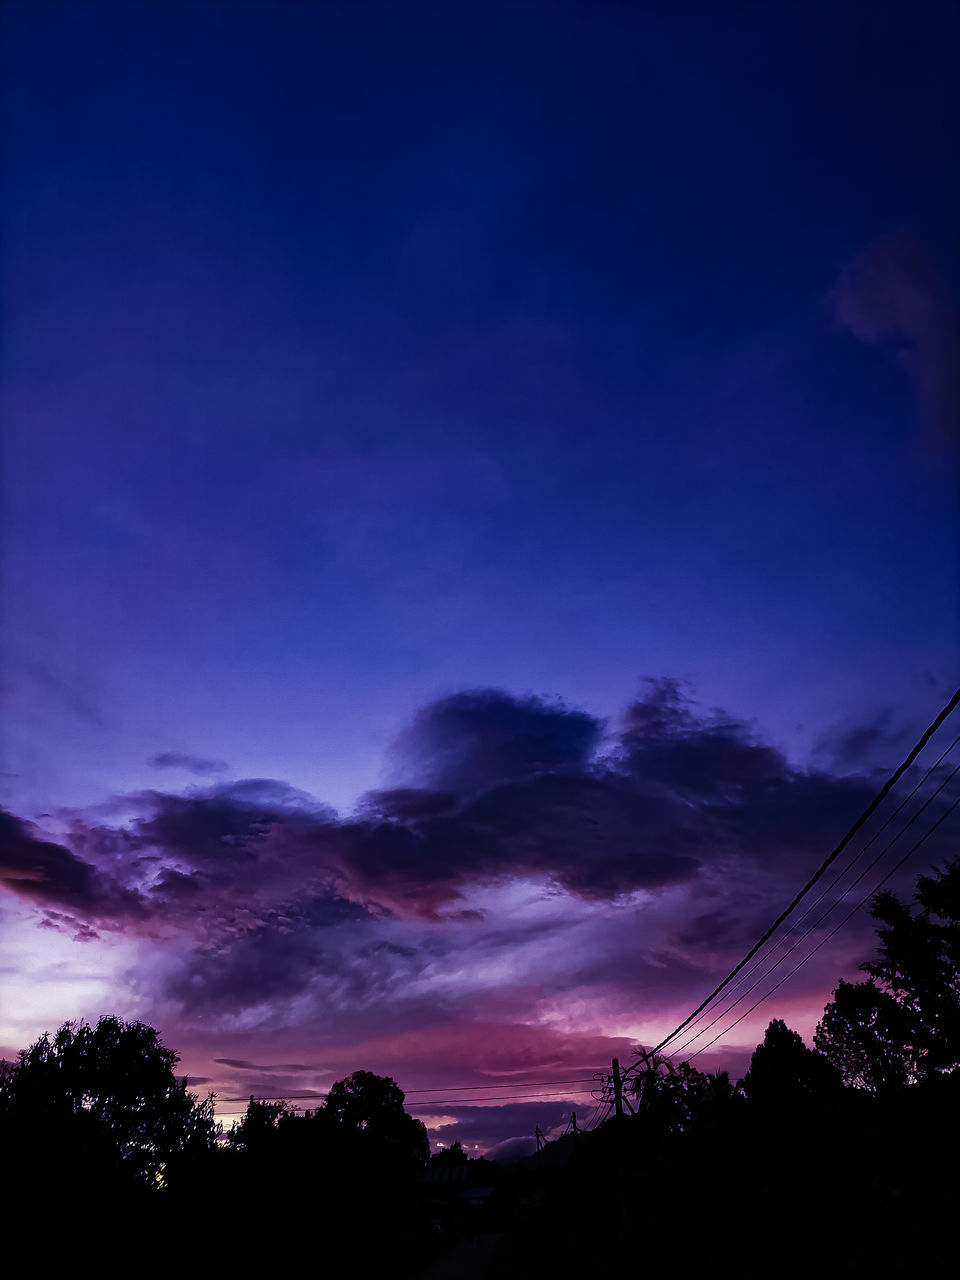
479	516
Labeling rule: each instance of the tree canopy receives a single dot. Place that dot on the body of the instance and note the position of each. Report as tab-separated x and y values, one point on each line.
109	1092
864	1033
919	965
784	1073
370	1107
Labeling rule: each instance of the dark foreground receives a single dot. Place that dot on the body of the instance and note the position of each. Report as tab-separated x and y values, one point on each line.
854	1187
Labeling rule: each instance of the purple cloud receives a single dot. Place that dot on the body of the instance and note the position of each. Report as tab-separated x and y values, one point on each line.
240	1064
283	901
471	741
50	875
199	765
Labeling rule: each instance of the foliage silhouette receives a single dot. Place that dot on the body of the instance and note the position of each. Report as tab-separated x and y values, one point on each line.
453	1155
784	1073
105	1098
673	1097
919	965
867	1120
865	1034
372	1106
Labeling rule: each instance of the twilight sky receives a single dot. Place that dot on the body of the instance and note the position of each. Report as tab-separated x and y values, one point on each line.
479	506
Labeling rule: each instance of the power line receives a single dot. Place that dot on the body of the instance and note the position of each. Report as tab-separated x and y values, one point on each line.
520	1084
507	1097
811	928
427	1102
275	1097
832	885
593	1119
604	1102
827	862
440	1088
597	1123
852	912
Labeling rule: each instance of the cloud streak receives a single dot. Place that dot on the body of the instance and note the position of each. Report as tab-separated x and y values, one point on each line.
199	765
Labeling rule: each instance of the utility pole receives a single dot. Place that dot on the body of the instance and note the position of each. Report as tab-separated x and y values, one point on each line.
619	1155
573	1123
617	1089
541	1140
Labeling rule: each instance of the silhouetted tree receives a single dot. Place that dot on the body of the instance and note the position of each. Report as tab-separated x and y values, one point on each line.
919	965
450	1155
258	1125
784	1073
371	1105
101	1102
865	1034
673	1097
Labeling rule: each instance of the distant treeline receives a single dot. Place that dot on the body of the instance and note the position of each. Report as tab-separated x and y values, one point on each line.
836	1160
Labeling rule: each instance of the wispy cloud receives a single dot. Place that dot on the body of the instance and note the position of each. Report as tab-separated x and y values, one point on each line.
891	296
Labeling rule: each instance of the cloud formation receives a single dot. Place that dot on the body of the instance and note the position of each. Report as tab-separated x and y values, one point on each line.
538	892
239	1064
572	868
471	741
199	765
51	875
496	789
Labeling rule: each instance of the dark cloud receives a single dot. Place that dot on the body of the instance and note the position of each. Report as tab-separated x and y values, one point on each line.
240	1064
263	874
681	791
474	740
597	834
287	954
50	875
724	929
223	856
226	825
192	764
881	742
666	741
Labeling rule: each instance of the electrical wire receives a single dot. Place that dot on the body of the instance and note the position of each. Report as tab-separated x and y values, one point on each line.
821	870
442	1088
427	1102
520	1084
852	912
275	1097
597	1123
593	1119
507	1097
820	919
832	885
604	1105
